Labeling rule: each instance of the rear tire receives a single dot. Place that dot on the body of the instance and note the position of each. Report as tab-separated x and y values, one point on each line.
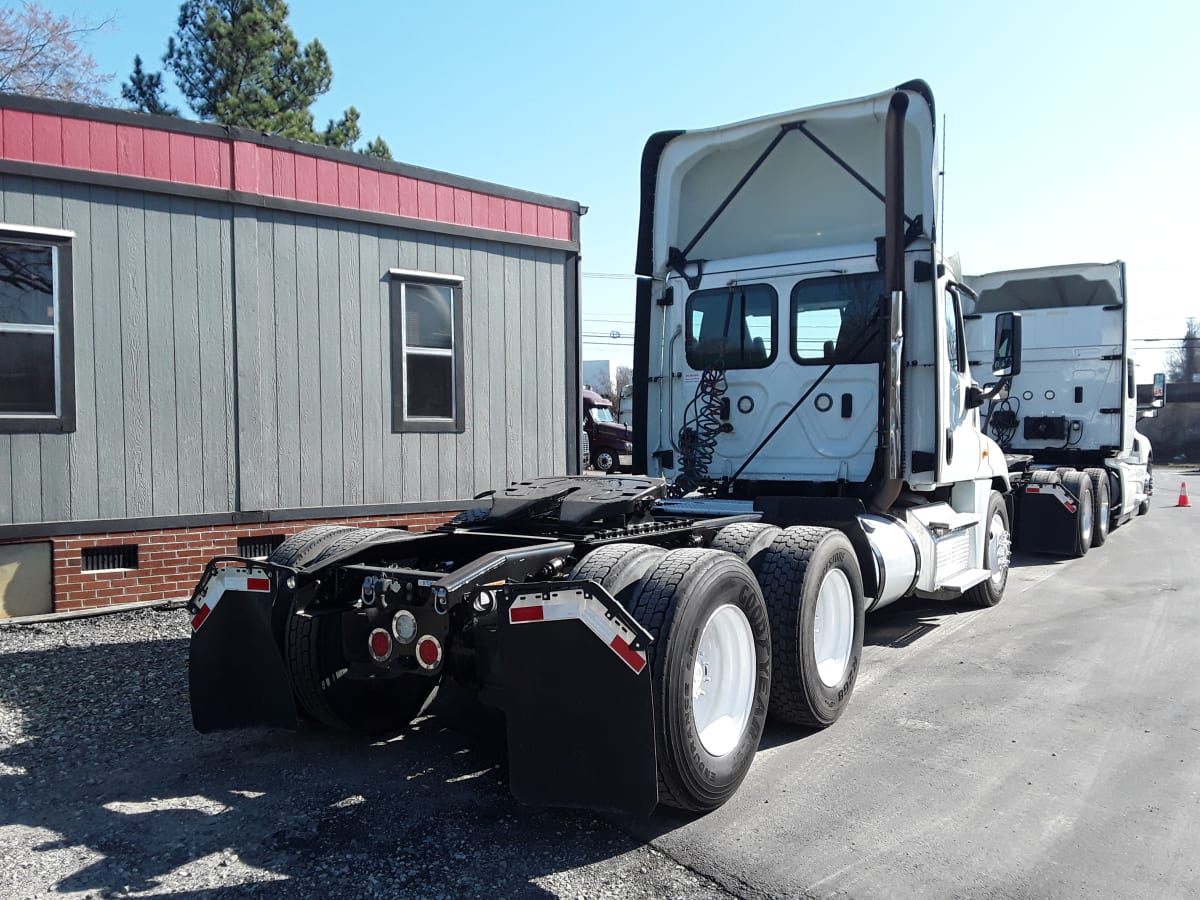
710	667
1101	506
1080	485
996	556
316	668
618	568
814	594
297	549
748	541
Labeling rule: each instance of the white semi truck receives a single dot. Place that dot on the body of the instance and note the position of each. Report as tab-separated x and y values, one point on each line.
1068	421
808	434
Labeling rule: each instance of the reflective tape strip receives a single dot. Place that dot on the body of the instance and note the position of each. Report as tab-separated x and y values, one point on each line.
1057	491
561	606
229	579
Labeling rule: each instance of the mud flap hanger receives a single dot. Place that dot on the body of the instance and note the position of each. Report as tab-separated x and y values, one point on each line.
677	260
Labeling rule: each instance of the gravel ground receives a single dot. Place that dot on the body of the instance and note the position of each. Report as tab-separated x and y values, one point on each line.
107	791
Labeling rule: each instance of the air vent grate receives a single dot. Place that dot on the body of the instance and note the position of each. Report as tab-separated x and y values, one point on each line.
99	559
260	546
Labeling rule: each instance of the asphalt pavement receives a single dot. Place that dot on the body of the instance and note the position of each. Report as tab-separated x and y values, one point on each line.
1047	747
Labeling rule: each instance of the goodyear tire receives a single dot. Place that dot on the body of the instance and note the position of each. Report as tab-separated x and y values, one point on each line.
1080	485
1101	505
814	594
619	568
996	556
316	667
710	667
748	541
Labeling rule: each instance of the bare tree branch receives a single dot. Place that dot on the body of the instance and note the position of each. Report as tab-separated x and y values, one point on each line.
42	55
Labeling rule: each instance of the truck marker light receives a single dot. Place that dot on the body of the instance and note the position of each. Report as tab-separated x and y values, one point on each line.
380	644
258	584
1033	489
429	651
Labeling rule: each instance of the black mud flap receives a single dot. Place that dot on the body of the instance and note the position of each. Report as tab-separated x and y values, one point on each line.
1045	520
577	701
236	676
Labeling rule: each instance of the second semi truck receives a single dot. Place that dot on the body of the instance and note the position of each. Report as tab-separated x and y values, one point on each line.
1068	421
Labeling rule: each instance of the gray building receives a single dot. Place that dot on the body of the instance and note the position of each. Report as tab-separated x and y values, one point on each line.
211	338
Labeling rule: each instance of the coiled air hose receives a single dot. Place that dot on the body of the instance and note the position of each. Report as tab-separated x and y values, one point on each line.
701	426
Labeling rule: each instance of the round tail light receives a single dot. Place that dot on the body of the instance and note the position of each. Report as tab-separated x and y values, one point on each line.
429	652
380	645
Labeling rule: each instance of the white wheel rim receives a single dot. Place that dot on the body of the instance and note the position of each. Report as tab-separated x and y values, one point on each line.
723	680
833	627
1085	521
1103	514
604	461
999	549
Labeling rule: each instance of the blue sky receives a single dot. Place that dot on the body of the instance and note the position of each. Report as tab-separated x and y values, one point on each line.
1071	130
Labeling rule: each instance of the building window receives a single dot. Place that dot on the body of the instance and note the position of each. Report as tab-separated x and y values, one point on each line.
37	374
426	319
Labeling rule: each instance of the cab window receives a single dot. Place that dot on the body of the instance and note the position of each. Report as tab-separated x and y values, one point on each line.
837	319
734	327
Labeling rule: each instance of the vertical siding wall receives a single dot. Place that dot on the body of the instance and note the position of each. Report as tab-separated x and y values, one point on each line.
186	309
314	381
153	308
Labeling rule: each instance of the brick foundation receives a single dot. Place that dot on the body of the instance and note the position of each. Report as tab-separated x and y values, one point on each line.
170	561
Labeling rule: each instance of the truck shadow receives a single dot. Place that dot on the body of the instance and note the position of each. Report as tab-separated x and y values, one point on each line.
133	796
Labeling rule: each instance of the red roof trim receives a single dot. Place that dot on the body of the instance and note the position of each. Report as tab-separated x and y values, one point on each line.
236	165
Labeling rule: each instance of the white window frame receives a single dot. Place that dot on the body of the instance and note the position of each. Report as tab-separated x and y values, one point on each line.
401	279
60	243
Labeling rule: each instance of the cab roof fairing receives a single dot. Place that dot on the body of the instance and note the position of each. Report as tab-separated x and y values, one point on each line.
799	198
1049	287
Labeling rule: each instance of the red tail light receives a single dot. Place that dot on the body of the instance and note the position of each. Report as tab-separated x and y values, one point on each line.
380	645
429	651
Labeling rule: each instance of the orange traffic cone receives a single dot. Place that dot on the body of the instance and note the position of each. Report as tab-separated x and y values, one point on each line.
1183	500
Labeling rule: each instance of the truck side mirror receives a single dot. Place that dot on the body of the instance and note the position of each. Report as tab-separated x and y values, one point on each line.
1158	398
1007	361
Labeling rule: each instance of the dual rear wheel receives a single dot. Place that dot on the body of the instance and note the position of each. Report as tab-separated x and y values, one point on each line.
766	620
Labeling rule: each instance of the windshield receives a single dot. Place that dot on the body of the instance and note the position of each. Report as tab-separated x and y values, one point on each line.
602	414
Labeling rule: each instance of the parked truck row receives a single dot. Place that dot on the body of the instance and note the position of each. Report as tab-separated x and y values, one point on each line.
809	429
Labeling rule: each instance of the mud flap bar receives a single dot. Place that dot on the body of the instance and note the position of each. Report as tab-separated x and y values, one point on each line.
236	673
577	699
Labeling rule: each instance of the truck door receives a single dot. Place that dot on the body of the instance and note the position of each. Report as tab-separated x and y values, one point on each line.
958	443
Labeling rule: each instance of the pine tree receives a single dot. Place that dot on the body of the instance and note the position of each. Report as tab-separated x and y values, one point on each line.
237	62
